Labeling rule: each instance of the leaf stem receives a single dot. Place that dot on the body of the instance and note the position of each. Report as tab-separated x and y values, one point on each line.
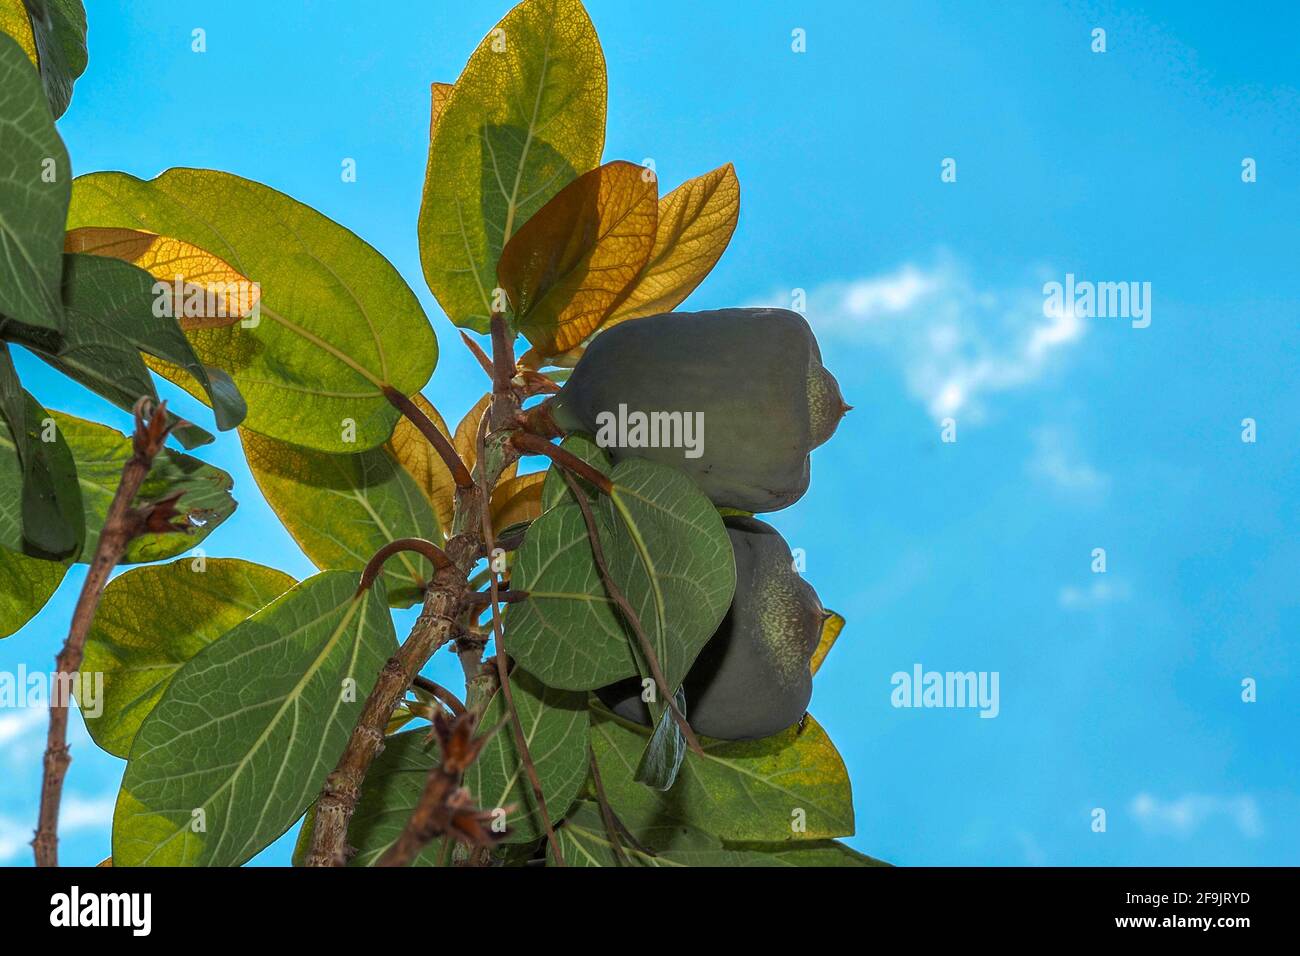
419	545
536	445
123	523
625	607
441	444
441	693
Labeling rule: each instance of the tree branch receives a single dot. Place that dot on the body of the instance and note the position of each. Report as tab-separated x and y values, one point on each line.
122	523
441	444
625	608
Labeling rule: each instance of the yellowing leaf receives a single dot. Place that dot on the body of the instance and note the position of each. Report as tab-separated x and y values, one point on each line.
696	221
567	268
205	291
526	116
14	21
410	449
438	93
466	438
831	628
517	500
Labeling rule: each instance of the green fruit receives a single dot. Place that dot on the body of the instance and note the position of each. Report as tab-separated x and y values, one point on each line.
753	678
735	398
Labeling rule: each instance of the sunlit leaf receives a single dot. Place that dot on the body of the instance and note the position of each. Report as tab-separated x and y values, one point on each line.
696	221
205	292
662	840
438	94
525	117
568	266
831	628
755	790
517	500
410	449
152	620
110	321
26	583
341	509
245	733
34	190
336	321
466	437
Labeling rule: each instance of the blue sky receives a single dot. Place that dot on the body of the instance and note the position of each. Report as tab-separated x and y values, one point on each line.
1119	691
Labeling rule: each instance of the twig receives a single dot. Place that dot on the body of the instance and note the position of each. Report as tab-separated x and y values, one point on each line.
419	545
481	599
606	812
478	353
625	607
441	444
536	445
503	673
122	523
441	693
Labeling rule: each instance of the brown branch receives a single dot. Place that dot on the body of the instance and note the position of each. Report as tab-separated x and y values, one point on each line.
122	523
376	564
538	420
479	354
625	607
445	808
536	445
503	369
436	625
439	692
441	444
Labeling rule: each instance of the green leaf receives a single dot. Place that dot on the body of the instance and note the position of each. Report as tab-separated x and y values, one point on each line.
336	322
568	632
102	452
667	550
34	190
555	726
26	583
151	621
751	790
525	118
662	758
668	842
247	730
53	36
341	509
40	501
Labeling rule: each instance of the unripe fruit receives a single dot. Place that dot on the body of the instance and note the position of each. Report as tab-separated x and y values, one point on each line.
753	678
752	378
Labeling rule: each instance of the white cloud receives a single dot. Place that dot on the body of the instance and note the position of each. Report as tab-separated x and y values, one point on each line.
1185	815
1057	460
15	725
956	343
76	813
